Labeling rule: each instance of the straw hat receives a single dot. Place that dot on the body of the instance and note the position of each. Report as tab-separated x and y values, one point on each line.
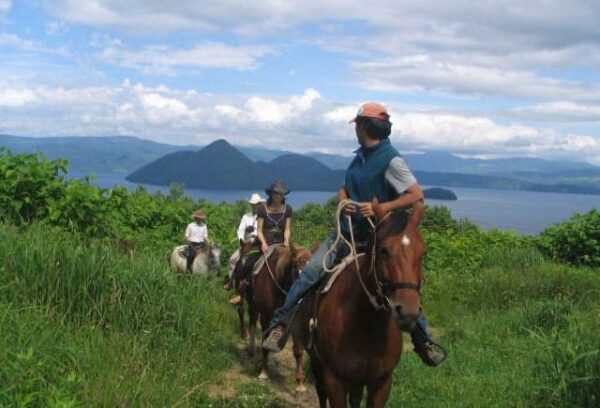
199	215
255	198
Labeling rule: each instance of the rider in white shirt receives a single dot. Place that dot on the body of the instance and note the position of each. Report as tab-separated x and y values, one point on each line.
246	232
196	235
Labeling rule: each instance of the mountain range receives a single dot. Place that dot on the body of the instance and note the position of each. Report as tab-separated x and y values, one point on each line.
221	166
252	166
213	167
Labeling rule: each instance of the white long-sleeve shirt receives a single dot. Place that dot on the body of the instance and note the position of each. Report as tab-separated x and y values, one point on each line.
196	233
248	220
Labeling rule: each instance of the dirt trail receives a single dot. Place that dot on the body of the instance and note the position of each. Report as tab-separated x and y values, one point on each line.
282	378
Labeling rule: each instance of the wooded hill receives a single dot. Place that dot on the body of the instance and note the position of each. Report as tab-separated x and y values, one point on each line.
221	166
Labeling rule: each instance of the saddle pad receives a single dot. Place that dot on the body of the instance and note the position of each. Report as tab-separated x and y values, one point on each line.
261	260
338	269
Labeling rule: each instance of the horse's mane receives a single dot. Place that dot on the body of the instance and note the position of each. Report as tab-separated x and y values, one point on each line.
395	224
283	259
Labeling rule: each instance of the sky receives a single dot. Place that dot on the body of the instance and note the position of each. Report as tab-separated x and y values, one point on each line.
480	79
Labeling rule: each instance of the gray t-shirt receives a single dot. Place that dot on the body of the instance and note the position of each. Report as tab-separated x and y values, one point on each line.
398	175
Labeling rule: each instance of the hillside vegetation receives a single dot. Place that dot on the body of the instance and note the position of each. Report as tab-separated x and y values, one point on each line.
91	315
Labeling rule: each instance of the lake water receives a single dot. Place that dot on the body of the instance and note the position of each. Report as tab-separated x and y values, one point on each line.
524	211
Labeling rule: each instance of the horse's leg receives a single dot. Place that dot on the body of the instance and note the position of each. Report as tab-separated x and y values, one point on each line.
264	366
378	394
337	393
240	310
298	356
253	314
356	394
317	371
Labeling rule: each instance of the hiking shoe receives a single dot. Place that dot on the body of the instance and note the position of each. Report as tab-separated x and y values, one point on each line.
275	342
429	355
227	285
235	300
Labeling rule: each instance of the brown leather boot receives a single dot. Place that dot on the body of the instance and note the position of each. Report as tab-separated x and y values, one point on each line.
429	355
235	300
275	342
241	290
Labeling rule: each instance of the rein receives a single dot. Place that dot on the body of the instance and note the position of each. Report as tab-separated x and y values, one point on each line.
379	301
273	275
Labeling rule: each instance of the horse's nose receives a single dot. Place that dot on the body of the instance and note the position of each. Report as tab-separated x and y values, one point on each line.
405	319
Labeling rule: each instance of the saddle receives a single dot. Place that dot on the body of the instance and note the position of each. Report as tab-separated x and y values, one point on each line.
261	260
314	294
330	278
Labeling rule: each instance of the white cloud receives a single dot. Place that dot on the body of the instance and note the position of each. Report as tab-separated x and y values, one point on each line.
491	48
15	41
162	59
266	110
565	111
423	73
161	110
302	122
5	5
12	98
455	132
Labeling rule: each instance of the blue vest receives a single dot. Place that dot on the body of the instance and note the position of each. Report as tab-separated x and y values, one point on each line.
365	179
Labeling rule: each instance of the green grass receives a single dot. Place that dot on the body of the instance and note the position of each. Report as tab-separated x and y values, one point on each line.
521	332
84	324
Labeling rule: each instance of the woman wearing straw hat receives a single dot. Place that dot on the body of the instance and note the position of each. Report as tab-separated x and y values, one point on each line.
196	235
274	226
246	233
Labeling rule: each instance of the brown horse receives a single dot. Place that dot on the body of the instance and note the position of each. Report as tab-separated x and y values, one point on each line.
354	332
266	293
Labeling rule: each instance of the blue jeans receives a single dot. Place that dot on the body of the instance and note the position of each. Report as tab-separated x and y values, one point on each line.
311	273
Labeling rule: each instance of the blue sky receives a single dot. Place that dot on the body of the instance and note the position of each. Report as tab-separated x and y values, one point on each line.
486	79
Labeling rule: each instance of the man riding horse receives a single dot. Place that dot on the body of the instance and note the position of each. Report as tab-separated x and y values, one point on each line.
196	234
378	170
246	233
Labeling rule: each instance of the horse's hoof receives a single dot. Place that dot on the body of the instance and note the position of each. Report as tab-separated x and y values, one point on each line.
301	388
263	376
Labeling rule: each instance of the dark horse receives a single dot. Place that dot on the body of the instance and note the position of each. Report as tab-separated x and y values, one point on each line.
266	293
353	333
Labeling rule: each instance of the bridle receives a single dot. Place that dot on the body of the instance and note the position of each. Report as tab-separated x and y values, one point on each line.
380	300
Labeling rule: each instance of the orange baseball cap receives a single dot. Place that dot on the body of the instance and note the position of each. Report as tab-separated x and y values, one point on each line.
372	110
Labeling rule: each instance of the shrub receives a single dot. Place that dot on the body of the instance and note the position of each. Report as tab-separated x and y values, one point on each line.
576	241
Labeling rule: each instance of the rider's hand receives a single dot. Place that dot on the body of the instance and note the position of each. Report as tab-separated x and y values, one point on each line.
366	209
264	247
349	209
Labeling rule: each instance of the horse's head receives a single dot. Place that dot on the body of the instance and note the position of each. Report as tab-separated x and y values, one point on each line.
245	246
302	255
398	252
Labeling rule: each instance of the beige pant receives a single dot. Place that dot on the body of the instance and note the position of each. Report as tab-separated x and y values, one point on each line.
233	260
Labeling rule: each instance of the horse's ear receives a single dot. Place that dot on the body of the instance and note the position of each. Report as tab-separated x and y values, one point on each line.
417	214
377	209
